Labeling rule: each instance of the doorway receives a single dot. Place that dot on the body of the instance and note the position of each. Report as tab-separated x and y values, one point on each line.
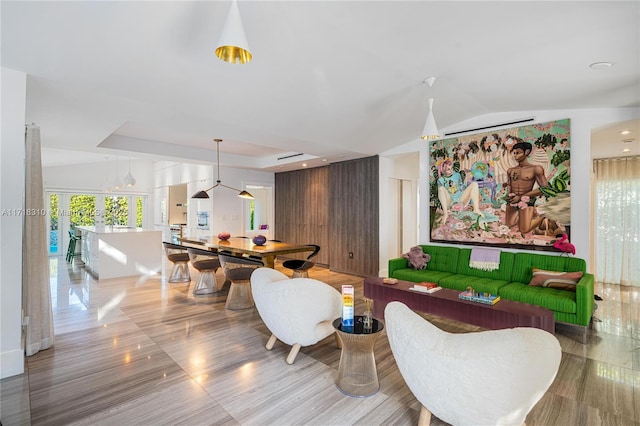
259	211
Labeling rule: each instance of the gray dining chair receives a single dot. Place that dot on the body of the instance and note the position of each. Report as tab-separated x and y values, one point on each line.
179	257
206	263
238	270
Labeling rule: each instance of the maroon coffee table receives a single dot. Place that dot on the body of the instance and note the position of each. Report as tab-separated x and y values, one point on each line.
445	303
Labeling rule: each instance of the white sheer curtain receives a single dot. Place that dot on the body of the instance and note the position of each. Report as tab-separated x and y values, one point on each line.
617	201
36	293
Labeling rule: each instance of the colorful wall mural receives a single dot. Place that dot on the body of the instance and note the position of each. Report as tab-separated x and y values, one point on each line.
504	188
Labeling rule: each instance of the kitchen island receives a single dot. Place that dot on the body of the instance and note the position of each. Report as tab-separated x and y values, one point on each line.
113	252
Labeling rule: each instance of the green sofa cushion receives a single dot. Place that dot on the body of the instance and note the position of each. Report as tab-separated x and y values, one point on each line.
418	276
551	298
443	259
482	285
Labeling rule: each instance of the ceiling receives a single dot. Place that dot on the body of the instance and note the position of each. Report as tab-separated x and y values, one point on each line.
330	80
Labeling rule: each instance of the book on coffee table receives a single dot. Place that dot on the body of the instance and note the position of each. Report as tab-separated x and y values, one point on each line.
486	298
426	287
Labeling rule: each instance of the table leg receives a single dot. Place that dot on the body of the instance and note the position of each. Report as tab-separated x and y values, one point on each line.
269	261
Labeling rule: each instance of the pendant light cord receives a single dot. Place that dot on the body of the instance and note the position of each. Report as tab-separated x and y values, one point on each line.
218	158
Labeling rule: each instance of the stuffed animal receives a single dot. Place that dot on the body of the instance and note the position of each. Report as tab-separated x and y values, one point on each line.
417	258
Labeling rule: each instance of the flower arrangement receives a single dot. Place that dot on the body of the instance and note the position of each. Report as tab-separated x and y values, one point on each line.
524	202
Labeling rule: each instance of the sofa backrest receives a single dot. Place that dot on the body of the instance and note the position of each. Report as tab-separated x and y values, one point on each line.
443	259
503	273
524	262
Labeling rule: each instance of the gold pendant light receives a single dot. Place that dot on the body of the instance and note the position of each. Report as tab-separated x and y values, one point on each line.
233	46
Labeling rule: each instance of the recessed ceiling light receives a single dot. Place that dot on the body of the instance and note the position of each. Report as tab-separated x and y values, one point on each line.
626	150
600	65
625	132
304	164
324	160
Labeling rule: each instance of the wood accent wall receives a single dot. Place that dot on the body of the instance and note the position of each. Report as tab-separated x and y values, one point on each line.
354	216
335	207
302	210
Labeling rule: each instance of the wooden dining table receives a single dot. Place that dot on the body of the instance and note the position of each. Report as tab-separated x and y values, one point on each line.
239	246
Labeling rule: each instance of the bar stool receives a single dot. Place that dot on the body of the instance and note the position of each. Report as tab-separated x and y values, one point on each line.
207	263
71	250
238	270
299	267
179	256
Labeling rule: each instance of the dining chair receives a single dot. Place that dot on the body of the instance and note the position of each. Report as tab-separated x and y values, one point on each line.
206	263
179	257
238	270
300	267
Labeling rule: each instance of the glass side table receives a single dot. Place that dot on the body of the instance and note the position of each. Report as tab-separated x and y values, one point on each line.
357	374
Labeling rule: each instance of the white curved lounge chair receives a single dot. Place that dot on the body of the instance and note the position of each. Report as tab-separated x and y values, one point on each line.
484	378
297	311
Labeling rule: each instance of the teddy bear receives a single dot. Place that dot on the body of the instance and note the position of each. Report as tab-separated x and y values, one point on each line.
417	258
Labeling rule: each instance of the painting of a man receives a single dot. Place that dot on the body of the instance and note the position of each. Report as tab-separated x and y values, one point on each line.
521	181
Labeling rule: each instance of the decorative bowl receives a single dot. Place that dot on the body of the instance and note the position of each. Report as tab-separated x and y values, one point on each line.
224	236
259	240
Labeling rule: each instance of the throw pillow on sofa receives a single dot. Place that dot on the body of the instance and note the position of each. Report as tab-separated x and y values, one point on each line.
555	279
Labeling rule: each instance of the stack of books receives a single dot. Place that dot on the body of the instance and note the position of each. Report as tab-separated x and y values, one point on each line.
426	287
486	298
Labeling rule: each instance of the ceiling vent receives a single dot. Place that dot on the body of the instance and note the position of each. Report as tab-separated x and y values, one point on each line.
290	156
527	120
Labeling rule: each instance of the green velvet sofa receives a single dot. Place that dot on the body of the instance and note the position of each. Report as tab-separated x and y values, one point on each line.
449	267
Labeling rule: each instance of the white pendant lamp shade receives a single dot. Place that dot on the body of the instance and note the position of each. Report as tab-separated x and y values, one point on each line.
233	46
430	130
129	180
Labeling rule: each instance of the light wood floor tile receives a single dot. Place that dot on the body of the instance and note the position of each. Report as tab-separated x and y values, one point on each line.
15	408
183	403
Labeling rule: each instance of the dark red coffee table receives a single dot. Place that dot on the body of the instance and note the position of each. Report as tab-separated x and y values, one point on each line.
445	303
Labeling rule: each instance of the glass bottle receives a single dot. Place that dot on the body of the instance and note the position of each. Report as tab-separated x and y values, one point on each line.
368	315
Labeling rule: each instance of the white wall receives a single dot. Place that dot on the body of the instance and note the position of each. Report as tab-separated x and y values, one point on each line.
582	124
13	93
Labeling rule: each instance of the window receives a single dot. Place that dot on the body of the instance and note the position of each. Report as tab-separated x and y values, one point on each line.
54	235
82	210
139	211
116	210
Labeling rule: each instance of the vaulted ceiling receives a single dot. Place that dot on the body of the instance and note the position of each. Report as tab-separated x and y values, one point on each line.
331	80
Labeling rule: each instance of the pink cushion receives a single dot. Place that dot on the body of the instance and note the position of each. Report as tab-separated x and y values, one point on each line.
555	279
